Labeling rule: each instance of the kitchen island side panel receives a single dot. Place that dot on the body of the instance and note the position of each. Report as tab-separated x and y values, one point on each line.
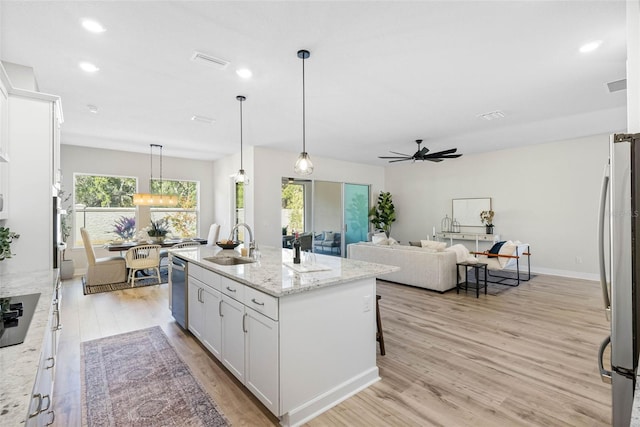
327	347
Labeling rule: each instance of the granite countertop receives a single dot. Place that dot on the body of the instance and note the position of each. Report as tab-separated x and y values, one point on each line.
635	409
271	275
19	363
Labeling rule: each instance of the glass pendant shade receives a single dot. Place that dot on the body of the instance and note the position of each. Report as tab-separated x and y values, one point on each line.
241	177
155	199
303	165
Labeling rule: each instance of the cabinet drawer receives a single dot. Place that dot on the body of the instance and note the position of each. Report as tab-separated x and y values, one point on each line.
207	277
261	302
232	288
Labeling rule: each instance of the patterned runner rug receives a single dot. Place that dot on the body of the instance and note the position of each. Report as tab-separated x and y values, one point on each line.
138	379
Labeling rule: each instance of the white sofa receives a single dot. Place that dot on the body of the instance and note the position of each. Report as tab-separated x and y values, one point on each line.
420	267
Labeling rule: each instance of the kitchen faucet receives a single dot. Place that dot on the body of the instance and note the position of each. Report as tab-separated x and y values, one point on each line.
252	243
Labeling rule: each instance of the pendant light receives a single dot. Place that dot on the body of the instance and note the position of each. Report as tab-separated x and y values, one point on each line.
303	164
155	199
241	176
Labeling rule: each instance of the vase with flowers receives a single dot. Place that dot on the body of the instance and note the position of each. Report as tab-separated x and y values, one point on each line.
158	230
487	219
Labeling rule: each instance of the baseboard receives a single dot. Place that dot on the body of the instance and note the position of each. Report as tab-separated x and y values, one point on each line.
565	273
329	399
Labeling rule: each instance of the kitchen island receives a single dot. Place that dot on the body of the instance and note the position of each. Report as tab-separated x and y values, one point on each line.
301	338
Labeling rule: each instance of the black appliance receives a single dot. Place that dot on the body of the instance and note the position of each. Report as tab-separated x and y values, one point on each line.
178	278
16	316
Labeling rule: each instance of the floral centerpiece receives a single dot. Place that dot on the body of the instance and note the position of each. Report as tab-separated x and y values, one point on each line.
158	230
487	219
125	228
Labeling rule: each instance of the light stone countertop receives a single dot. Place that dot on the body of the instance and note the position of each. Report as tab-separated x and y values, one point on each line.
271	276
19	363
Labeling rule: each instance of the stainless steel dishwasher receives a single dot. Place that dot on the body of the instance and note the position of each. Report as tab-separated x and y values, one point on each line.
178	277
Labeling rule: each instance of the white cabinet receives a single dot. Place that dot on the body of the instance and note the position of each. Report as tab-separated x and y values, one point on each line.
262	371
204	317
233	331
41	404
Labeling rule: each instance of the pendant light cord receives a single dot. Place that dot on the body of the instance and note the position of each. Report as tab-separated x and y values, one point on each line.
241	134
304	146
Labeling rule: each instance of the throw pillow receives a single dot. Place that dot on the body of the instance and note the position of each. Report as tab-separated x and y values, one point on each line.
432	244
378	239
328	236
507	249
495	249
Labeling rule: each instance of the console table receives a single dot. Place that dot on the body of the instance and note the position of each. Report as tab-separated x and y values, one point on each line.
491	238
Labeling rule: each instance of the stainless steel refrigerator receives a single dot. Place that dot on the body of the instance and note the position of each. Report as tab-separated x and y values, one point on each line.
619	268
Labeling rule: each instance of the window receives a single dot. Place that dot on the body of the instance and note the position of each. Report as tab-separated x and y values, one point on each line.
183	218
293	197
239	210
101	202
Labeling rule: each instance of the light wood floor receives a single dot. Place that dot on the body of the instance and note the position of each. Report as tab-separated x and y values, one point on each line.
526	357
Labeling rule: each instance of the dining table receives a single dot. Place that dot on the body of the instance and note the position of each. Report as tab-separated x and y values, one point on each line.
167	243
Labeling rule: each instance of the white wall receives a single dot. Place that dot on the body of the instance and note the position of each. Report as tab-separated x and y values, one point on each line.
546	195
75	159
266	167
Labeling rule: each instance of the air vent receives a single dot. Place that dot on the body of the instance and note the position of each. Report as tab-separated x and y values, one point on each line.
494	115
212	61
617	85
202	119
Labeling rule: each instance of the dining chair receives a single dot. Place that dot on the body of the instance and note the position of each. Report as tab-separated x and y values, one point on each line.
102	271
143	257
214	232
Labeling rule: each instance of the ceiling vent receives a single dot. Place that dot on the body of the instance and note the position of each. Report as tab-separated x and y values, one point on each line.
212	61
617	85
494	115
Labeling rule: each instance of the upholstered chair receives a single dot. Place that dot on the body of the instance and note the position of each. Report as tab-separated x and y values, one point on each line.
214	232
102	271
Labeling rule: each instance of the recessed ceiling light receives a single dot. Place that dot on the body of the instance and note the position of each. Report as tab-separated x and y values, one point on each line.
88	67
204	58
92	109
591	46
245	73
93	26
202	119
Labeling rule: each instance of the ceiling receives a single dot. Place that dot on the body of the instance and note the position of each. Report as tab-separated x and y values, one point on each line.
381	74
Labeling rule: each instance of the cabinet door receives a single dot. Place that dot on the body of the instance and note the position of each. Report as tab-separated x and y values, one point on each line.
233	328
196	309
212	328
262	360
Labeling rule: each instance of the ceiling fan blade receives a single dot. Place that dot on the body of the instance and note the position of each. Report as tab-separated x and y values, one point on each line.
401	154
450	156
439	153
423	151
401	160
395	157
433	159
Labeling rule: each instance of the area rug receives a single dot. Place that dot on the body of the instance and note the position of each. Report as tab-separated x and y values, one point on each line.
138	379
96	289
508	282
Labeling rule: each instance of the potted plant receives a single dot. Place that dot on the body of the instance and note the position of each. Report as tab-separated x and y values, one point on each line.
6	237
487	219
158	230
383	214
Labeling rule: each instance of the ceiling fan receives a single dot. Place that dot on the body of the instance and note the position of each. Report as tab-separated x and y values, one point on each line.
421	154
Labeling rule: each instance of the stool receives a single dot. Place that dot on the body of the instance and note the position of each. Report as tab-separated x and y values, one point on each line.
379	336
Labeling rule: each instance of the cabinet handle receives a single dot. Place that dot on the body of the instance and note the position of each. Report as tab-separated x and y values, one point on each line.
48	403
200	295
37	411
53	362
53	417
230	290
58	325
244	316
220	308
253	300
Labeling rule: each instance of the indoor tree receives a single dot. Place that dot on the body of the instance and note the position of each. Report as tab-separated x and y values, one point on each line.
383	214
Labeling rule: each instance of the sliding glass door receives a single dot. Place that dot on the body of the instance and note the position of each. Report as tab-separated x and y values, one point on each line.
356	213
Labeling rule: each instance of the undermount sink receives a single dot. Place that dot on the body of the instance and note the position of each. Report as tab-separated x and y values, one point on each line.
228	260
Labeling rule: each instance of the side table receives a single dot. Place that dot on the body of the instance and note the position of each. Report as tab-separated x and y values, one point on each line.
477	267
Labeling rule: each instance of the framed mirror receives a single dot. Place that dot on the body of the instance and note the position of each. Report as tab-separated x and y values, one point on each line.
467	211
